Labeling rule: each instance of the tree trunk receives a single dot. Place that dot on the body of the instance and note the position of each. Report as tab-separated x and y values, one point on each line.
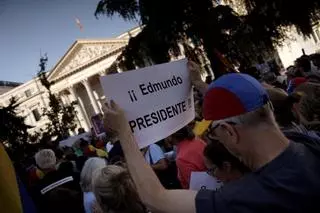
217	66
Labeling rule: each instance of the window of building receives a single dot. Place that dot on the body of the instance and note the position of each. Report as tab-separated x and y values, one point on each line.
316	34
28	93
36	114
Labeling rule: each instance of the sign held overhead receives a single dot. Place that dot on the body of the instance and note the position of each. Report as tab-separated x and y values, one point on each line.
157	100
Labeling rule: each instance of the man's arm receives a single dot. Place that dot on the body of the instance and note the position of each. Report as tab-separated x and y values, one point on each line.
160	165
149	188
157	157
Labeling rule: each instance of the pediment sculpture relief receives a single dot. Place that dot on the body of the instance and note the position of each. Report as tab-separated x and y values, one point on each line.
86	54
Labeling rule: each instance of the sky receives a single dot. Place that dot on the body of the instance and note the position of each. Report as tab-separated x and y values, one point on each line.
29	27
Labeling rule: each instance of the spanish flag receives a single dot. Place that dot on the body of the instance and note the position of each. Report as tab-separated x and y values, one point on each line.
79	23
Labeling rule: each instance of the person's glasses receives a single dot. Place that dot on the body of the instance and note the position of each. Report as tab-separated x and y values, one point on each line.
211	132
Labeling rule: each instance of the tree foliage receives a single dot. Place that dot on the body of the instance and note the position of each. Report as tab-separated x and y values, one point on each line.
13	130
62	119
283	13
218	29
167	23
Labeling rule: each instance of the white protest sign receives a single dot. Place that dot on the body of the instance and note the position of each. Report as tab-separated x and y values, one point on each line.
201	180
157	100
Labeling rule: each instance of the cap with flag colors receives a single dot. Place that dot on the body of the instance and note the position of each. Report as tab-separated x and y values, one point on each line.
232	95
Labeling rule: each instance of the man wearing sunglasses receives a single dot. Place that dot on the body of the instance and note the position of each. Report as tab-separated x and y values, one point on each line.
285	175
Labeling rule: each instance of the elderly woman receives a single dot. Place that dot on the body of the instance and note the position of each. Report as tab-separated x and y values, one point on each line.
115	191
90	166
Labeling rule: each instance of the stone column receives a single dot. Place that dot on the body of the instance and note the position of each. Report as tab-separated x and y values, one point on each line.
79	109
93	101
63	99
102	99
32	118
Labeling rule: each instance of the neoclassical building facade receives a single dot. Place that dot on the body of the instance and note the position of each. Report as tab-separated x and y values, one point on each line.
76	78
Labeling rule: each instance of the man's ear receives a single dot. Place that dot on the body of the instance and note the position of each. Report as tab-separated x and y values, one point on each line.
229	132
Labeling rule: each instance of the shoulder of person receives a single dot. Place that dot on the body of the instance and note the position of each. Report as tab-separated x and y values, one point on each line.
199	141
234	192
154	146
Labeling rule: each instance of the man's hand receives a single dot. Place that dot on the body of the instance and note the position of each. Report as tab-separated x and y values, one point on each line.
114	119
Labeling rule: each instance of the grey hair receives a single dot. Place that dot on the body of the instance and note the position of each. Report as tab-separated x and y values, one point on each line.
263	115
45	159
90	166
115	191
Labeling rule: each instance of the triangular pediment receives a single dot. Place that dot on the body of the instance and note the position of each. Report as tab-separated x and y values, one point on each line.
83	52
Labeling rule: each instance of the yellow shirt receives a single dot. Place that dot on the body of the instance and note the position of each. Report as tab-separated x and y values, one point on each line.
101	153
201	127
9	192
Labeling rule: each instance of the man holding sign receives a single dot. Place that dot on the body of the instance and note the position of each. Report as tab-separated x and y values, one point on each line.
285	174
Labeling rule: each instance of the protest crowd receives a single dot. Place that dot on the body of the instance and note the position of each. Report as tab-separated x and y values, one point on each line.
255	144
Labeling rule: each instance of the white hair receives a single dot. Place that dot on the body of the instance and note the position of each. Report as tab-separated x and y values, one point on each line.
115	191
90	166
263	115
45	159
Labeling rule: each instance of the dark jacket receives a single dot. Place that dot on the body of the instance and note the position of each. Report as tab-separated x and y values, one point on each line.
58	192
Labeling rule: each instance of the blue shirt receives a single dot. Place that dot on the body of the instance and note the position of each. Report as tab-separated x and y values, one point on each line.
88	201
288	184
155	152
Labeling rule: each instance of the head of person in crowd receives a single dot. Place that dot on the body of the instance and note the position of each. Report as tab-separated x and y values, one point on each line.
208	79
81	131
291	73
46	160
90	166
315	58
59	155
183	134
303	65
189	154
66	168
253	71
83	143
274	67
282	107
85	148
222	164
269	78
115	191
243	119
308	109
